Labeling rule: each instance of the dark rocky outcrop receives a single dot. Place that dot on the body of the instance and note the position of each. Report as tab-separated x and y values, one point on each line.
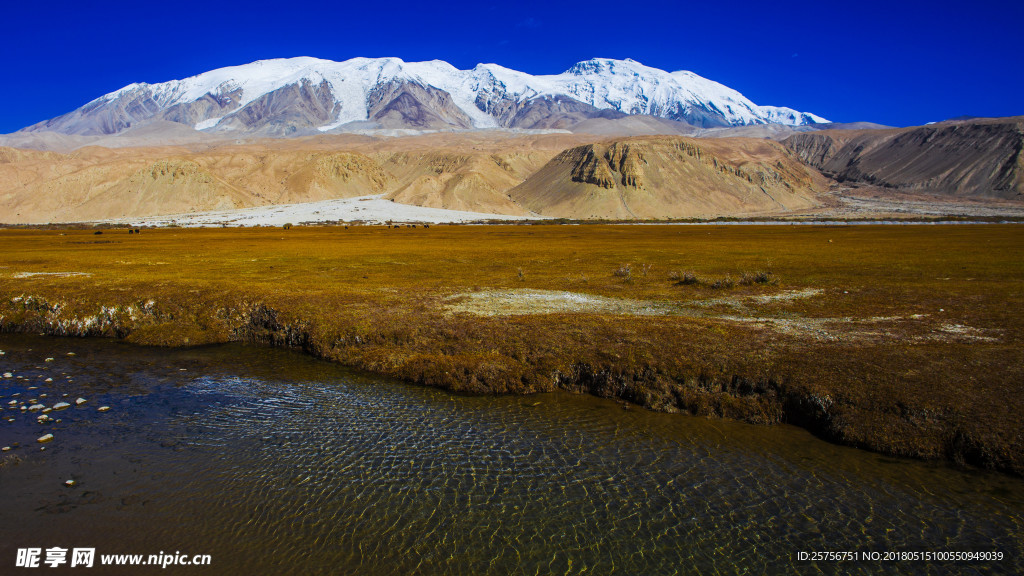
399	104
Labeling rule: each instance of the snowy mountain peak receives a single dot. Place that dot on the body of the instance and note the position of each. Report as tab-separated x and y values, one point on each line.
295	96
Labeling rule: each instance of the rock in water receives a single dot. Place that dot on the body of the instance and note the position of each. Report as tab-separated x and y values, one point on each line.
103	408
61	405
45	438
79	402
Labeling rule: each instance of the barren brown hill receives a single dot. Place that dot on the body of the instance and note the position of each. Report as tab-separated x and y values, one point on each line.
966	159
671	177
466	172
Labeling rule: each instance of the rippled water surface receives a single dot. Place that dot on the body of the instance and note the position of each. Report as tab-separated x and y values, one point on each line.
274	463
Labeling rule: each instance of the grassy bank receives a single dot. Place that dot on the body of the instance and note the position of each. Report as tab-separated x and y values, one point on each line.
904	340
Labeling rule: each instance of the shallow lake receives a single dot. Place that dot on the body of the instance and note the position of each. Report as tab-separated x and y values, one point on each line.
274	463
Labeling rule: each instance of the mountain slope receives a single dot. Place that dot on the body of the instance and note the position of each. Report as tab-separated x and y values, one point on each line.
970	159
300	96
670	177
467	171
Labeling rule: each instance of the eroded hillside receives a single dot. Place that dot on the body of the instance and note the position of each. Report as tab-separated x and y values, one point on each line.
671	177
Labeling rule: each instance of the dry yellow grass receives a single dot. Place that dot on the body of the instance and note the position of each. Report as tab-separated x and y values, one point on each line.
902	339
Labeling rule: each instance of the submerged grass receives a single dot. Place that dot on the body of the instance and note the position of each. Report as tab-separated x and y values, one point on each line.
944	385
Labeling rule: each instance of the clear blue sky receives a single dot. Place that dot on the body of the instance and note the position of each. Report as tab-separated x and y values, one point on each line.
891	62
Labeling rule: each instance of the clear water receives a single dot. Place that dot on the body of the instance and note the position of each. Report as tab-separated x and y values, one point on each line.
274	463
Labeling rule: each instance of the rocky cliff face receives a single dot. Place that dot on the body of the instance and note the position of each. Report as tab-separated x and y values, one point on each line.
970	159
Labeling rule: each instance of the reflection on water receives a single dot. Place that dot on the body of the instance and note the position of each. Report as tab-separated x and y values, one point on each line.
274	463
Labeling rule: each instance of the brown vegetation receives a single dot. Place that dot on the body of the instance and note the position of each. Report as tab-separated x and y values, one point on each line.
905	340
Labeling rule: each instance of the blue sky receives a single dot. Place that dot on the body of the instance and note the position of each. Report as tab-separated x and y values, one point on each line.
890	62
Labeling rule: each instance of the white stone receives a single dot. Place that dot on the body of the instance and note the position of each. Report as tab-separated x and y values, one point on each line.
103	408
80	401
49	360
45	438
61	405
35	407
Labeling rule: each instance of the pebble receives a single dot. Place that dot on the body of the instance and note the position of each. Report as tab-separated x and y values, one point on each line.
79	402
69	483
45	438
8	375
35	407
103	408
12	403
33	387
47	410
71	353
61	405
42	395
49	360
43	419
48	380
5	449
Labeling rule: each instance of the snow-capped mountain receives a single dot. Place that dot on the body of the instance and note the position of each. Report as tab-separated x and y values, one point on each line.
297	96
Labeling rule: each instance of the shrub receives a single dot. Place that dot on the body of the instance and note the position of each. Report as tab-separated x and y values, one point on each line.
726	282
684	278
624	271
759	277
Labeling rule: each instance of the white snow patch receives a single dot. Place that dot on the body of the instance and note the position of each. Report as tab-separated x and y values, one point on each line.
210	123
49	274
368	209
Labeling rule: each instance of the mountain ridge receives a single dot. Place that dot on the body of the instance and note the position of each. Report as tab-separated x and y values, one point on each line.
304	95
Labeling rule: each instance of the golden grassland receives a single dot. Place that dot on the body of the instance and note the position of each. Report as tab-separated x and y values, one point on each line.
902	339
